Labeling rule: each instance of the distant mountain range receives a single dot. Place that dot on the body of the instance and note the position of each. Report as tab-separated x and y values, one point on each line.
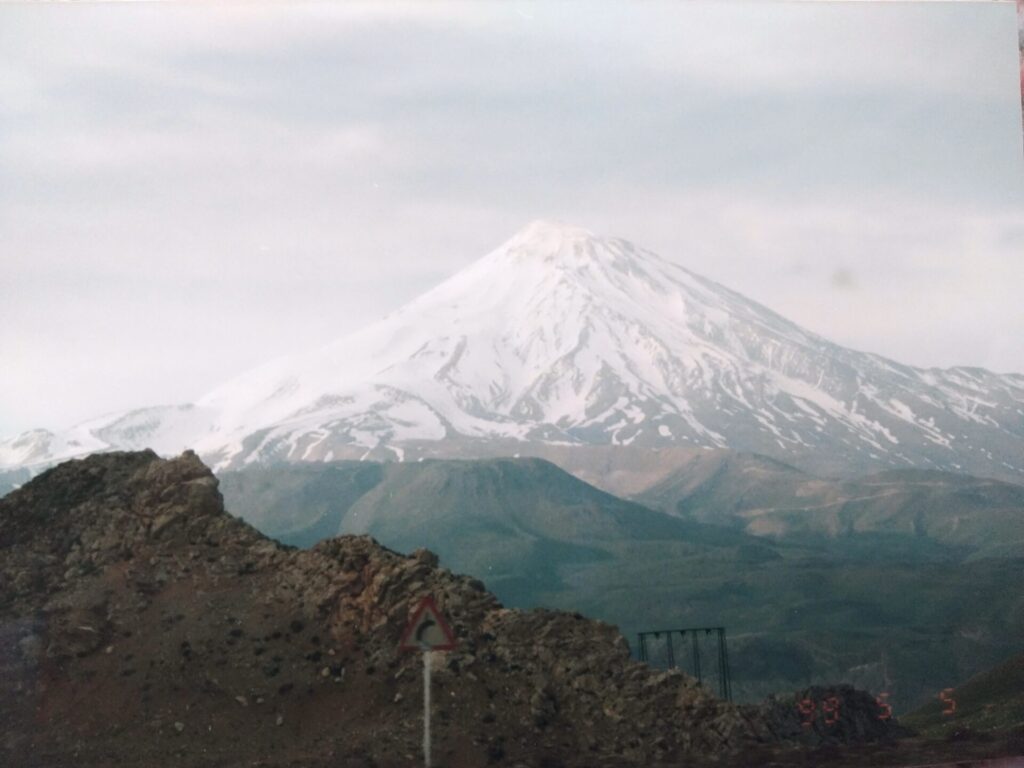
561	338
977	517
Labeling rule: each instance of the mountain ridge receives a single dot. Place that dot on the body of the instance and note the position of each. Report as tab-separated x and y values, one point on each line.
981	517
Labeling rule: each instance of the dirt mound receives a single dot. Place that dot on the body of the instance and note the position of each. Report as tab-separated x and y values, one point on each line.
141	624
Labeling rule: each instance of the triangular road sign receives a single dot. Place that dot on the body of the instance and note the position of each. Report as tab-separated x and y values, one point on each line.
427	630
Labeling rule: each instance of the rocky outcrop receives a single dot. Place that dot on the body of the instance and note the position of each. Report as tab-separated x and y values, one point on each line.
142	624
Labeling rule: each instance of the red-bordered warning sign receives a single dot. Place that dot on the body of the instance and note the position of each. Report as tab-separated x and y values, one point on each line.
427	630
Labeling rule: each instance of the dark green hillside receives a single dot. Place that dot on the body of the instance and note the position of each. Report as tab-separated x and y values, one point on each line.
910	628
531	496
723	486
299	504
990	701
517	523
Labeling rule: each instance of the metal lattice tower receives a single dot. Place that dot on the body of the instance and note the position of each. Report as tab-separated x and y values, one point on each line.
724	673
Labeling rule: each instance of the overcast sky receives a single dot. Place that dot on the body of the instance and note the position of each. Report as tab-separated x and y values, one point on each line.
186	192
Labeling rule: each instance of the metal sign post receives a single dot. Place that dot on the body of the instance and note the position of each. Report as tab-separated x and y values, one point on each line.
427	631
426	708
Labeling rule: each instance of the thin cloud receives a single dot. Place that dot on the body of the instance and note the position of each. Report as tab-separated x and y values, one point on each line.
190	190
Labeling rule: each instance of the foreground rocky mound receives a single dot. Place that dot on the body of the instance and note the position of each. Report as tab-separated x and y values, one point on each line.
828	715
141	624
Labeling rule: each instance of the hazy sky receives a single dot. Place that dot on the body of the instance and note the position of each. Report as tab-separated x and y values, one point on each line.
186	192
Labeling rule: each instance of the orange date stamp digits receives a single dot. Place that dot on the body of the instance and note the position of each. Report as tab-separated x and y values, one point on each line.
806	709
882	700
830	707
946	697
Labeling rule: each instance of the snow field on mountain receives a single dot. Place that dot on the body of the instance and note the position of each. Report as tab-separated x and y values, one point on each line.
562	336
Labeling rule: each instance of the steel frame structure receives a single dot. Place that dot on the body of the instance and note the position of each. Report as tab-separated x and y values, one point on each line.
724	674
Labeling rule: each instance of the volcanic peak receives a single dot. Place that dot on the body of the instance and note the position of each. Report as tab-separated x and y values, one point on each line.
559	248
561	336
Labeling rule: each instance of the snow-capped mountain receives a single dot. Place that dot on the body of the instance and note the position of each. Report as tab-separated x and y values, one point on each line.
563	337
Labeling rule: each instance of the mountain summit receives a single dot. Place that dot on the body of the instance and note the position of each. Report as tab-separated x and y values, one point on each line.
561	336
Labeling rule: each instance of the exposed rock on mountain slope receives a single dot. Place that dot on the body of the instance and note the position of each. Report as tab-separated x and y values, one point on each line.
564	337
141	624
